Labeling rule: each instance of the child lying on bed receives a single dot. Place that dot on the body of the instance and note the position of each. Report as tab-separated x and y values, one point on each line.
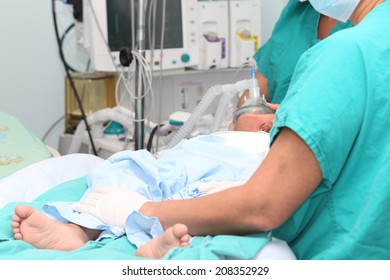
186	171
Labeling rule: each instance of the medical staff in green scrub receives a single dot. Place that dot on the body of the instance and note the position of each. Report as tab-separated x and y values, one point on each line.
299	27
339	106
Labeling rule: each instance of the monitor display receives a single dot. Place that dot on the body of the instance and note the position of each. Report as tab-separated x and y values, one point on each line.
108	28
119	25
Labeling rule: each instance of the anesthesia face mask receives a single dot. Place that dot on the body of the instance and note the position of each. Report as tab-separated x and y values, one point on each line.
337	9
256	104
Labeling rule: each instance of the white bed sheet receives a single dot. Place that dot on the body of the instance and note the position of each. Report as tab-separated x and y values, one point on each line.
30	182
35	179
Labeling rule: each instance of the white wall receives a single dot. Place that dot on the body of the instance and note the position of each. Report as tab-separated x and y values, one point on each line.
31	73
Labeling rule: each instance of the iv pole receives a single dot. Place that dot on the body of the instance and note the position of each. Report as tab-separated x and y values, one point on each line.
139	106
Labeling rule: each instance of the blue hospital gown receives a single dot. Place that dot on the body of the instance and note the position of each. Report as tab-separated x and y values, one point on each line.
339	104
171	174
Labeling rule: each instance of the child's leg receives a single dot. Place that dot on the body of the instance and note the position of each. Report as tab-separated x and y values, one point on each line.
42	232
175	236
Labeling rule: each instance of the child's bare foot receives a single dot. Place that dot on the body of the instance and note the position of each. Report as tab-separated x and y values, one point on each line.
175	236
42	232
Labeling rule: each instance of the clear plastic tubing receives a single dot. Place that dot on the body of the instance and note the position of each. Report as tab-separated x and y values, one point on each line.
199	111
220	113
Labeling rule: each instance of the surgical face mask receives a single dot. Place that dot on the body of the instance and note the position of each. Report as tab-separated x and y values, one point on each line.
337	9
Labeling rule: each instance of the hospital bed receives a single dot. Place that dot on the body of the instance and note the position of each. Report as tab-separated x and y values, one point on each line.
62	178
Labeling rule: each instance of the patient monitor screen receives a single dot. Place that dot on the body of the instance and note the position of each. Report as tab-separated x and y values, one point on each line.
119	24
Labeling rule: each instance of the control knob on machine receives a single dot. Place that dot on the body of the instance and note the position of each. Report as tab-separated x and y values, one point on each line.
185	57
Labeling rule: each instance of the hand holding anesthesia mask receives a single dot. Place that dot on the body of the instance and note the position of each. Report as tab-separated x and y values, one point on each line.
337	9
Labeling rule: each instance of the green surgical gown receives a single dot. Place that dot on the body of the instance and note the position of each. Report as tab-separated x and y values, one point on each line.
339	104
293	34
